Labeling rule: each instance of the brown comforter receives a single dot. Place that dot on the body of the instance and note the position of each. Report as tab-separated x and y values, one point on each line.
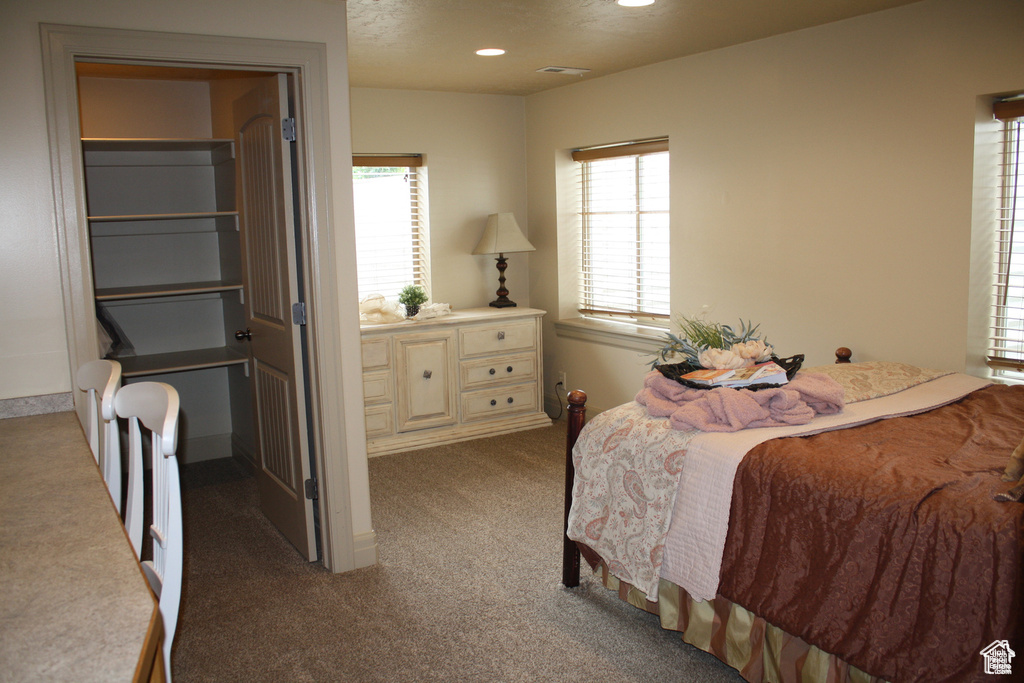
887	549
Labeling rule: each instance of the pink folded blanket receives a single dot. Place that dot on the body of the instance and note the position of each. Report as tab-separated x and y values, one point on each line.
729	410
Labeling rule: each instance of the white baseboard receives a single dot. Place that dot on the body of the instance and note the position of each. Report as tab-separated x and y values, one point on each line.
438	436
364	549
201	448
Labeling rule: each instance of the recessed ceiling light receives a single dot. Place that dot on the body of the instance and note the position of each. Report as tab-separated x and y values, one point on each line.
635	3
490	52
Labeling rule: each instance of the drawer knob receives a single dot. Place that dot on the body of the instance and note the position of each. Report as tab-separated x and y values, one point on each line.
508	369
510	399
426	374
491	371
501	335
494	402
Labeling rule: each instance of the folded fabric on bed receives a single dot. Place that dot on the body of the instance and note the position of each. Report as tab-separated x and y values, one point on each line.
728	410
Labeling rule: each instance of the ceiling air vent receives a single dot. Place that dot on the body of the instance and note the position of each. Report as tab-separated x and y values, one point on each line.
572	71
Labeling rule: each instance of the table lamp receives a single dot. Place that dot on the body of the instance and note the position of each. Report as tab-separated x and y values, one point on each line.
502	235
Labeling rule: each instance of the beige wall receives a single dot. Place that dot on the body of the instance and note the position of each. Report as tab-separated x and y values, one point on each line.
135	108
474	149
821	184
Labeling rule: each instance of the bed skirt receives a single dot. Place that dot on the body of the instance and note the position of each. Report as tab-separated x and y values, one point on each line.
760	651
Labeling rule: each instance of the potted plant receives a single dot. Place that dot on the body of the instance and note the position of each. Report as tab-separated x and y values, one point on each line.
412	297
712	345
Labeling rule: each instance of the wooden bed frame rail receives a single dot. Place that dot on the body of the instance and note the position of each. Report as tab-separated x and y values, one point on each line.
577	418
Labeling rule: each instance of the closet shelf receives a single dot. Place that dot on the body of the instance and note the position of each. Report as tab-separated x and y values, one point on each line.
154	144
161	216
176	289
179	361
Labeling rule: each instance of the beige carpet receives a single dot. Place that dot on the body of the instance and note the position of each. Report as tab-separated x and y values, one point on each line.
467	588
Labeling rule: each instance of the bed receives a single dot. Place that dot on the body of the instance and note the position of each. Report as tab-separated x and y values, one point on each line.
864	545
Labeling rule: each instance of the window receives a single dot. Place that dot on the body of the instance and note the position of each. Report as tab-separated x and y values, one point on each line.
1006	355
392	248
625	230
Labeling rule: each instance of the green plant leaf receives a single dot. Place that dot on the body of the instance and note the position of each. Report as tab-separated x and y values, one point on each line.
696	335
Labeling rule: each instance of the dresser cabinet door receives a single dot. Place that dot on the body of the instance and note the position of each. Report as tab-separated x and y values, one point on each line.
425	386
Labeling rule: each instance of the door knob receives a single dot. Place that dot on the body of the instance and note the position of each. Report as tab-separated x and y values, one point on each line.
241	336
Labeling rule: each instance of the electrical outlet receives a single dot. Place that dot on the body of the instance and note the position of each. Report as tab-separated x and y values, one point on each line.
561	380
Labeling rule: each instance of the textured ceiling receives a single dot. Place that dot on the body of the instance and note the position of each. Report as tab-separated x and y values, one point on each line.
430	44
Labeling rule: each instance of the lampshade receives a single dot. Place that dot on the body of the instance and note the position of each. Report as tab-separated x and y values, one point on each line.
502	236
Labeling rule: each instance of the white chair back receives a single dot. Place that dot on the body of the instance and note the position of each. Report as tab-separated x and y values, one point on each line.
101	379
155	405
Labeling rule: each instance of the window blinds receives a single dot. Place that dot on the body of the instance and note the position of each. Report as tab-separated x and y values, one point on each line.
392	248
624	220
1007	347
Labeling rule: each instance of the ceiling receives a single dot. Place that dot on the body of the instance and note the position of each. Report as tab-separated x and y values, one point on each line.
431	44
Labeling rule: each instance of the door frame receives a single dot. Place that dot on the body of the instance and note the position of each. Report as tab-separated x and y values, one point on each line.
62	46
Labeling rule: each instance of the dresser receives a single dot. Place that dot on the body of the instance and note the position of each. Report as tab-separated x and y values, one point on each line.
474	373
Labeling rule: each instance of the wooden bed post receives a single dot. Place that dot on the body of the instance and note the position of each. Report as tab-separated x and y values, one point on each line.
570	553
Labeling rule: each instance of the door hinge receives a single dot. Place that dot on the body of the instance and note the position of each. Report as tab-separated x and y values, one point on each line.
288	129
299	313
311	489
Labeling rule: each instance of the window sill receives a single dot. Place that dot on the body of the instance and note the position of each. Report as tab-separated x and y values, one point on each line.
624	335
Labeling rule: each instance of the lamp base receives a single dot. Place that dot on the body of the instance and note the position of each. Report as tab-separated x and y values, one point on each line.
502	301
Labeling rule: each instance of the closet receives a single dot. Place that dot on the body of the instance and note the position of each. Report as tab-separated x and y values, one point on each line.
164	239
188	190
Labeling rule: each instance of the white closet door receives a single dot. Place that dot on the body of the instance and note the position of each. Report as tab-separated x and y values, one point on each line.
271	287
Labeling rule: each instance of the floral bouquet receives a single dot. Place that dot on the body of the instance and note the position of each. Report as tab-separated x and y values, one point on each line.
713	345
702	344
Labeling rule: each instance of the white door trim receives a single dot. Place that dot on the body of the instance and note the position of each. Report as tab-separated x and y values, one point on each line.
62	46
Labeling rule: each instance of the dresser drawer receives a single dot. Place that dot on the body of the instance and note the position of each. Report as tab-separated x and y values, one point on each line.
490	403
377	353
476	374
377	387
379	420
497	338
